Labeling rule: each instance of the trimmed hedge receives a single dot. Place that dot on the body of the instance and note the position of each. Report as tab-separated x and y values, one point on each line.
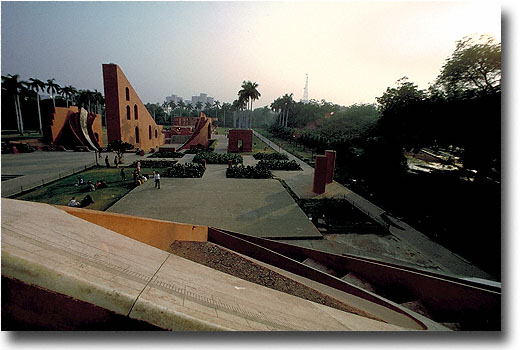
270	156
154	163
166	154
185	170
280	164
217	158
248	172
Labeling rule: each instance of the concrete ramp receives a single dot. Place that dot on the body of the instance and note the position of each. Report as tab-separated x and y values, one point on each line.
46	250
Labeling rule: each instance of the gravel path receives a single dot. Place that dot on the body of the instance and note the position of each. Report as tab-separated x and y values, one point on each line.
226	261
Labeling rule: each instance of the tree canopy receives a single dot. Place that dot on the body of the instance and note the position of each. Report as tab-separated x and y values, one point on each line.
475	65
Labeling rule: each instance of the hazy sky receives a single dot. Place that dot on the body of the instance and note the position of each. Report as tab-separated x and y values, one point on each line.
352	51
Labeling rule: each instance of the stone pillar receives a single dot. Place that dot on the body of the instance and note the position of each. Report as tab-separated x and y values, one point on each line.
320	175
331	162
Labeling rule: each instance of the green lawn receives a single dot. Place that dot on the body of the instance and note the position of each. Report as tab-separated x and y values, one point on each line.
303	153
61	191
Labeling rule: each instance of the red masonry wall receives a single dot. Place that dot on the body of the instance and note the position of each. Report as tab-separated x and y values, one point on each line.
201	134
331	163
247	140
127	118
320	175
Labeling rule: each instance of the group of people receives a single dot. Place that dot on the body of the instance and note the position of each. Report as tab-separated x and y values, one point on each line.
84	202
139	178
116	161
90	185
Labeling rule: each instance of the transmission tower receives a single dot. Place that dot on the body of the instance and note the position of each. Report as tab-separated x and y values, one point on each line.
305	98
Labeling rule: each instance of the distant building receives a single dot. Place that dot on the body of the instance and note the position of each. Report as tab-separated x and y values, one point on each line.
173	98
203	97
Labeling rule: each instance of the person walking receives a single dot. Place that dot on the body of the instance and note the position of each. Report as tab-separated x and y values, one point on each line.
107	162
123	175
157	179
116	162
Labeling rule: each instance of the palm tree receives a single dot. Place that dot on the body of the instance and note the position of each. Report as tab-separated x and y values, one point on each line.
85	99
11	84
239	105
276	106
199	105
249	93
181	105
207	106
216	104
52	88
69	92
172	105
286	102
225	107
189	107
98	98
37	85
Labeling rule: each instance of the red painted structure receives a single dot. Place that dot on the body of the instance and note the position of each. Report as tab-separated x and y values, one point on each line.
201	135
71	127
331	162
127	118
237	135
185	121
320	175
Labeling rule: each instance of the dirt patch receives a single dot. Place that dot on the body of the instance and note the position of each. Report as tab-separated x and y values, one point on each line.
221	259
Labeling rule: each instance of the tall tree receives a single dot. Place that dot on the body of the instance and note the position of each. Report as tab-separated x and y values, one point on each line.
68	92
475	65
172	105
52	88
249	93
189	107
199	105
12	86
216	105
402	111
226	107
287	102
182	106
99	100
37	85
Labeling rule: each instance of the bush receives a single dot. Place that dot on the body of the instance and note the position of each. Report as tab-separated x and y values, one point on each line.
248	172
280	164
166	154
217	158
185	170
270	156
154	163
212	144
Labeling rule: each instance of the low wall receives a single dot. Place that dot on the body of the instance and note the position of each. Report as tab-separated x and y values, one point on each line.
157	233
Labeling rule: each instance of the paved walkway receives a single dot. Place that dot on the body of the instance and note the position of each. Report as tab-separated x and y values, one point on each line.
257	207
301	184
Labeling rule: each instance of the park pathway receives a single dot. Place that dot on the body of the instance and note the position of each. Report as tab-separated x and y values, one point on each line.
300	183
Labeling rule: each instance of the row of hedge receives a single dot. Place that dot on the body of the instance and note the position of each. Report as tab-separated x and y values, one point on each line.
270	156
166	154
248	172
217	158
187	170
280	164
154	163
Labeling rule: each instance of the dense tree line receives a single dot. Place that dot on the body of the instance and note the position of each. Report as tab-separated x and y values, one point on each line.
460	113
22	107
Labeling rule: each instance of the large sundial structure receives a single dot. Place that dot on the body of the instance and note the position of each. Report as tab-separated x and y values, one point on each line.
305	98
